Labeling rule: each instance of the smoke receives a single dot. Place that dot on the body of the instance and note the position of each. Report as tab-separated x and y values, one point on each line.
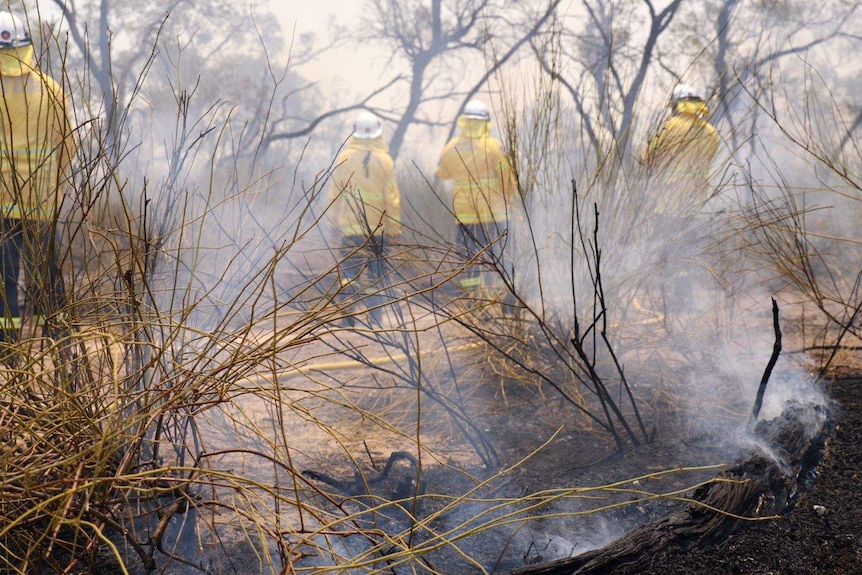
684	304
544	545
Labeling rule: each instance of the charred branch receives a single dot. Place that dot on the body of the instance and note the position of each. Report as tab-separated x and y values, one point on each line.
776	351
360	485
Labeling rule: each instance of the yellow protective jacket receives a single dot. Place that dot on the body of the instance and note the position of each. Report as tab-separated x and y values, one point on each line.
683	151
36	139
364	191
482	179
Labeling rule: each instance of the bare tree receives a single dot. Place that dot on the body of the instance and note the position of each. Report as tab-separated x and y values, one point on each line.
440	50
610	63
739	55
117	43
422	32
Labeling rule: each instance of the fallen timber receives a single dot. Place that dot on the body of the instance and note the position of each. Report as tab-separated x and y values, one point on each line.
762	484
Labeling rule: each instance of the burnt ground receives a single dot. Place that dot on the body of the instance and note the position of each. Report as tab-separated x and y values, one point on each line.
821	535
822	532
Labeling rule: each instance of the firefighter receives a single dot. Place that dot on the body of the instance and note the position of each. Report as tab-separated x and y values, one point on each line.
680	158
36	149
483	185
367	208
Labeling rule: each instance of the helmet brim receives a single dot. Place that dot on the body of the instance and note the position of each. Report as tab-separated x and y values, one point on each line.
15	44
369	135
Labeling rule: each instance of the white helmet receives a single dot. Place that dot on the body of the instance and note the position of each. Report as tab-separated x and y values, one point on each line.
12	33
685	92
367	126
476	110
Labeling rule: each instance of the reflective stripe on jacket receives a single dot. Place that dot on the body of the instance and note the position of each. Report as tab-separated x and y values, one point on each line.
364	191
482	180
36	145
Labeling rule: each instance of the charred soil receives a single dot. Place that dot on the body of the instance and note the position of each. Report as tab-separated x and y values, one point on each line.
821	535
820	532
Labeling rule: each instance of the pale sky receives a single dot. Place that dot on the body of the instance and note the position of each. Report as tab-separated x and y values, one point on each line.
355	70
352	69
315	16
312	13
305	16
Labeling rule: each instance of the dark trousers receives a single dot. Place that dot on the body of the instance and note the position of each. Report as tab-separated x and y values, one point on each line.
361	255
29	245
475	238
363	271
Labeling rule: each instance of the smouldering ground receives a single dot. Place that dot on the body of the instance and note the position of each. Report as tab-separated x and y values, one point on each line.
821	535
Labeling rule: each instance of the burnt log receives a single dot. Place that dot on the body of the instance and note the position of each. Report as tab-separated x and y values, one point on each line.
763	484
